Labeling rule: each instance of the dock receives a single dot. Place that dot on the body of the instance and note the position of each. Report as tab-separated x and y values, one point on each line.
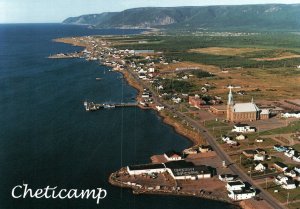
91	106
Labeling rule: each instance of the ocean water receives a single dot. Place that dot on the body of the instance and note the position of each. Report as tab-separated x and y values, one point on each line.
47	138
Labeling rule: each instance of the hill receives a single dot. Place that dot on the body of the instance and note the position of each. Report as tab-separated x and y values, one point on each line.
262	17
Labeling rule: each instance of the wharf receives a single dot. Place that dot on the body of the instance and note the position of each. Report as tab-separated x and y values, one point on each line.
91	106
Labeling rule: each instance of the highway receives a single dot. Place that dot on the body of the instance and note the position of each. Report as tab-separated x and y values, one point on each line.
216	147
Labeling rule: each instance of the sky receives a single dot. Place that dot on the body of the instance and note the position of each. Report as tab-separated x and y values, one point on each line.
51	11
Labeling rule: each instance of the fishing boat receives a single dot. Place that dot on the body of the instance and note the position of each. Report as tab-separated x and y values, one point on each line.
108	106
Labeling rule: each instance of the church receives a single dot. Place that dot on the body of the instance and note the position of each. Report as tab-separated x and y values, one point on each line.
238	112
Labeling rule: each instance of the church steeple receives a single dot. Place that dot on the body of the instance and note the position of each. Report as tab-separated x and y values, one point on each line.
230	97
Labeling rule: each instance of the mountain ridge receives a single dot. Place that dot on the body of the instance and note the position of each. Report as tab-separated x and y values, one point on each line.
262	16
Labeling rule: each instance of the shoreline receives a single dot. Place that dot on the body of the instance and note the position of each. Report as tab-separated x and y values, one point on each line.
194	137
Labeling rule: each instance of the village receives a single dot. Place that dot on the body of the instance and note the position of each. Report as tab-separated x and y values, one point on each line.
260	137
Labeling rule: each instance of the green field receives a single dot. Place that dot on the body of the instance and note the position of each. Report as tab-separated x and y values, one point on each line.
177	47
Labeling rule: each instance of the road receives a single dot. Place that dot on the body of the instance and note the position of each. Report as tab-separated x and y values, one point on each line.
216	147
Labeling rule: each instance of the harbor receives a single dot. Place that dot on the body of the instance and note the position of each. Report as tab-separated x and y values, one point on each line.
91	106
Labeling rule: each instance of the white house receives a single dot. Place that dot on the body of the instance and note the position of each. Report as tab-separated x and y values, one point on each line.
176	100
260	167
290	173
296	157
228	140
159	107
259	157
289	153
290	115
243	128
285	182
227	177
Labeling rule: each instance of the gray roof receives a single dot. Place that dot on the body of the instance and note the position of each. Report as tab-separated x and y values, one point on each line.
245	107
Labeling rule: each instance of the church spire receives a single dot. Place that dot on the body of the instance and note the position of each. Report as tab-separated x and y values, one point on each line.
252	100
230	97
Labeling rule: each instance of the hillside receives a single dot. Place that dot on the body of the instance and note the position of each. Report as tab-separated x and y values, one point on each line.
265	17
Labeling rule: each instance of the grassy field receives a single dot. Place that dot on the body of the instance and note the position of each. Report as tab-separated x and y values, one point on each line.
282	194
246	60
291	128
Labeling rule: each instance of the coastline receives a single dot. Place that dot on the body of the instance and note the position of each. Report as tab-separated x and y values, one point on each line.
193	136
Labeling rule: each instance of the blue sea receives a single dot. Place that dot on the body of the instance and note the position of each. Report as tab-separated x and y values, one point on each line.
47	138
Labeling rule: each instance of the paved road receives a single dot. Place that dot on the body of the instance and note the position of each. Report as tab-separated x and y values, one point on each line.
216	147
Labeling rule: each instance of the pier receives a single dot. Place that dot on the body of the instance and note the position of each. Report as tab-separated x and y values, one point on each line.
91	106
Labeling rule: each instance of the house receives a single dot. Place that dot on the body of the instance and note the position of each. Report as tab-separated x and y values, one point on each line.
176	100
296	157
227	177
172	156
228	140
290	173
142	76
280	166
297	169
240	137
260	167
243	128
259	157
249	153
159	107
290	115
289	152
225	138
285	182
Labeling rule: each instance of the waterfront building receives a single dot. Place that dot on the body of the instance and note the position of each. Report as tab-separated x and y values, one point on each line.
146	169
237	190
172	156
238	112
182	170
243	194
179	170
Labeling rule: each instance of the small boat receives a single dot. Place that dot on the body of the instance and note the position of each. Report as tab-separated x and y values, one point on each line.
108	106
98	79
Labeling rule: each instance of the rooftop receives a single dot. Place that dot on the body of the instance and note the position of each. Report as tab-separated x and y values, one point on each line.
245	107
146	166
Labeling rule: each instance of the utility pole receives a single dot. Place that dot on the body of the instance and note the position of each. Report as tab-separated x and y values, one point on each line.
287	199
266	183
240	159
